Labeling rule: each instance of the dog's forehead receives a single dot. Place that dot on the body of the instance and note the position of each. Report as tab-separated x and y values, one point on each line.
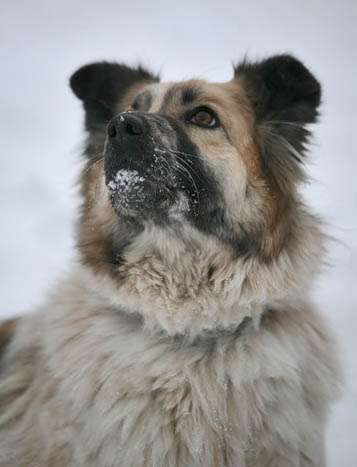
182	93
168	96
158	92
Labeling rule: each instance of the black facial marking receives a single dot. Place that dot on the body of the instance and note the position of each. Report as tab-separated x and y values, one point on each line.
207	207
143	101
199	183
147	172
169	96
189	95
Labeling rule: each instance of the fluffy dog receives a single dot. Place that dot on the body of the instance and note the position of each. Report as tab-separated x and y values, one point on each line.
185	334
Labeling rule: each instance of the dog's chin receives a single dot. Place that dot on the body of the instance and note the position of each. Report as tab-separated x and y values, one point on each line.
135	194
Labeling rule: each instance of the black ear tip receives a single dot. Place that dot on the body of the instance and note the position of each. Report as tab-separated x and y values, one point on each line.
77	80
81	79
81	82
290	73
100	77
281	87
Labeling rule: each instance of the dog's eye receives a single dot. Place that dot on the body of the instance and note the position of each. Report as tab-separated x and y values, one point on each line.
203	117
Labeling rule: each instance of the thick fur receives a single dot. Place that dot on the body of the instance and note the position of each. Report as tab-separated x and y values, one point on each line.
184	335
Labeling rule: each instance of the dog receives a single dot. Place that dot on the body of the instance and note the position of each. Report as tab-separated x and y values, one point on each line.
184	334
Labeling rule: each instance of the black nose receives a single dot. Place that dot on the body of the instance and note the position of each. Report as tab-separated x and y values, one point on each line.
126	124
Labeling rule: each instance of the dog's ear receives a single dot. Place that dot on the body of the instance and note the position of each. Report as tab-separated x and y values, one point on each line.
285	97
101	86
281	88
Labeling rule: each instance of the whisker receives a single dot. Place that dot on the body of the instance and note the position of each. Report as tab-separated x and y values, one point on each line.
177	154
92	164
184	171
182	166
175	151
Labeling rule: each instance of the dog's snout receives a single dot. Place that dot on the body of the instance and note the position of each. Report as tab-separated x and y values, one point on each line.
126	124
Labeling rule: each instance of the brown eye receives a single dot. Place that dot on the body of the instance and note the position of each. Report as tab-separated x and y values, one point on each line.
204	117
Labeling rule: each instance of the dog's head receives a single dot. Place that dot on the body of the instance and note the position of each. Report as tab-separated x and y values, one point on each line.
194	176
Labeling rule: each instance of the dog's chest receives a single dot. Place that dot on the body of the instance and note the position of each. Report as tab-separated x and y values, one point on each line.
146	402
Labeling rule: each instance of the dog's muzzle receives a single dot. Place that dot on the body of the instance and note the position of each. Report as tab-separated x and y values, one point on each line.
139	173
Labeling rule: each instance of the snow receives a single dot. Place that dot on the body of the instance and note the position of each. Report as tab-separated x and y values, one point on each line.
42	43
127	188
125	180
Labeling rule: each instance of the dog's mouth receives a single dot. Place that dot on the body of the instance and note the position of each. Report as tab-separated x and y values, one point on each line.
140	166
141	192
153	170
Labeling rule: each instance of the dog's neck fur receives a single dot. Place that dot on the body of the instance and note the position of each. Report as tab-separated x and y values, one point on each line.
191	285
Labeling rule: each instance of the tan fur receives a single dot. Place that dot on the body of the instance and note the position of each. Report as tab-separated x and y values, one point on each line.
183	355
7	331
98	218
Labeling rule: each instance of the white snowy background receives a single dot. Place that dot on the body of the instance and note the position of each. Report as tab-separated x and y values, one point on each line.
43	42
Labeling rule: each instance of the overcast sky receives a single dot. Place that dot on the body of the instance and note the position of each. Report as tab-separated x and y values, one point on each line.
43	42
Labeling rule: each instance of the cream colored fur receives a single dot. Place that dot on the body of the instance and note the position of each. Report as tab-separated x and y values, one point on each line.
154	372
